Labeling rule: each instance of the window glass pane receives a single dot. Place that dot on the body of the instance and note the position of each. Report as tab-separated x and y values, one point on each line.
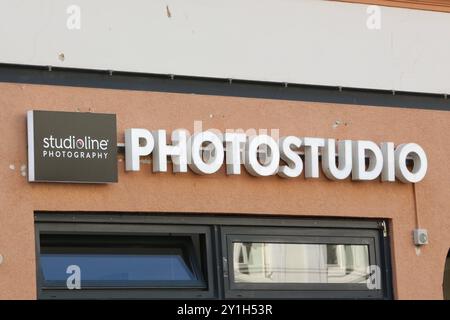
128	265
300	263
120	267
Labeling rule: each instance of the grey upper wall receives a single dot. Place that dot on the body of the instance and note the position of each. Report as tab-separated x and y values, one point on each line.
296	41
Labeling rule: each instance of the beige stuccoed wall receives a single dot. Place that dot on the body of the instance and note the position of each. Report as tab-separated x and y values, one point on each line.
416	274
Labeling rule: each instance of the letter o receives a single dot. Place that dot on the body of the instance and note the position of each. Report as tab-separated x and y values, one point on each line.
253	166
420	163
197	164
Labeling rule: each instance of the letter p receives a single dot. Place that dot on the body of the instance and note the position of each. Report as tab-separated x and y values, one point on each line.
134	149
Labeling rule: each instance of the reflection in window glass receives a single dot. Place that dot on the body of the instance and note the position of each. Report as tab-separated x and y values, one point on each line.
300	263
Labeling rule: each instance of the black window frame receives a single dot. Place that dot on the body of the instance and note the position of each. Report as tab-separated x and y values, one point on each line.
170	292
217	230
240	290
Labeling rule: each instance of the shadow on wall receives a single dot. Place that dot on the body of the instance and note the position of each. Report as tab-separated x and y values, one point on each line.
446	283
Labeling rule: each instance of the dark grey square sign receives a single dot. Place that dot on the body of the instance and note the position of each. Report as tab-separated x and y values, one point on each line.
72	147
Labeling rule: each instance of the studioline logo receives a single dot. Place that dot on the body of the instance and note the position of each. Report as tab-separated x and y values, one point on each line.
72	147
85	147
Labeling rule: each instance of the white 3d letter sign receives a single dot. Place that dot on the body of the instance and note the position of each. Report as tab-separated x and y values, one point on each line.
133	148
361	149
263	156
344	169
197	163
251	162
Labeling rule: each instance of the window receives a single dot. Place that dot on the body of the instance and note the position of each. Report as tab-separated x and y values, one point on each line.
126	260
303	262
300	263
120	261
153	256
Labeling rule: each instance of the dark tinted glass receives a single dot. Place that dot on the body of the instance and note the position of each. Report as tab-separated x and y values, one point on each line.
120	261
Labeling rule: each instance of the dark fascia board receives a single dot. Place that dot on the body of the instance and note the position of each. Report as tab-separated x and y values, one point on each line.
218	87
206	219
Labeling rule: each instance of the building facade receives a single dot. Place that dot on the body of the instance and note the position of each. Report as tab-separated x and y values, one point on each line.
354	72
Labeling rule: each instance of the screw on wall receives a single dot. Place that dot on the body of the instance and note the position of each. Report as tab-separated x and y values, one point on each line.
338	123
23	170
